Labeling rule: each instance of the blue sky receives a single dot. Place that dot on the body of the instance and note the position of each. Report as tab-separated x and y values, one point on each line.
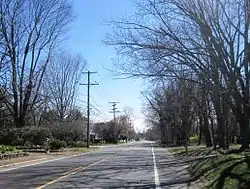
85	37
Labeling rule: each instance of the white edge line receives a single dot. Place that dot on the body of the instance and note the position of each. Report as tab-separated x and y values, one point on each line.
12	164
5	170
156	176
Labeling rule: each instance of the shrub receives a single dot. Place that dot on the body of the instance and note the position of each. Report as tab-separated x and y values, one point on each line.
69	136
57	144
31	137
194	139
97	141
79	144
111	141
13	137
41	136
4	148
26	136
2	135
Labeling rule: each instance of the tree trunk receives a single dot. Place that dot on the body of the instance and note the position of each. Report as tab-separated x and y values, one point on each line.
200	130
245	125
200	133
212	130
226	109
206	131
204	115
220	134
244	133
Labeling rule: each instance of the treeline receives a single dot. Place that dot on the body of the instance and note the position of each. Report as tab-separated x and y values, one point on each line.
184	110
113	131
38	80
196	55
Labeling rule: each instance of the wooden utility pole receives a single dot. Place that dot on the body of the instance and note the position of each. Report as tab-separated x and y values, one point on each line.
114	111
88	103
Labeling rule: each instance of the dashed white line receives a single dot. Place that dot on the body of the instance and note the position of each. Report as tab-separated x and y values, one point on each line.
156	176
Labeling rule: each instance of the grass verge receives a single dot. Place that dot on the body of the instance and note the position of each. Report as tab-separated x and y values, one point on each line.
225	171
8	149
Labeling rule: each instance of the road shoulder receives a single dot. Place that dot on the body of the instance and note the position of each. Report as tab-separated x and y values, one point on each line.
172	171
38	158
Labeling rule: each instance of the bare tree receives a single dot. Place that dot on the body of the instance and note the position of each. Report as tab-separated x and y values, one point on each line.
129	120
122	129
207	38
62	82
172	109
30	31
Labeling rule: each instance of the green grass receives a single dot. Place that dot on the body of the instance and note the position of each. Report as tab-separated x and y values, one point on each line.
225	171
176	151
8	149
192	150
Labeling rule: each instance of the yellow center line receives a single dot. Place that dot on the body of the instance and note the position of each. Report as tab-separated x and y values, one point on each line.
68	172
71	172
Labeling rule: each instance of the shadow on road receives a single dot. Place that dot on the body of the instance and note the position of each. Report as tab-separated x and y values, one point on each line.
133	169
127	168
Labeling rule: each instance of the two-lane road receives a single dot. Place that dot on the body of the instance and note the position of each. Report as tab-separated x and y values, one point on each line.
134	165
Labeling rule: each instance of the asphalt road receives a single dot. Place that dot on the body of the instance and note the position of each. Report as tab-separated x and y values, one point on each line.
134	165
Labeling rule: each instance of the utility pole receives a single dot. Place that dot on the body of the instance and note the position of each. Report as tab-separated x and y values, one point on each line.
114	111
88	109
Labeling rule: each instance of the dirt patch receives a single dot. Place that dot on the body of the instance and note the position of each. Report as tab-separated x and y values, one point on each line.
12	155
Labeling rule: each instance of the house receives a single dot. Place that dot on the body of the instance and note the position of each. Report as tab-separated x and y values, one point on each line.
94	137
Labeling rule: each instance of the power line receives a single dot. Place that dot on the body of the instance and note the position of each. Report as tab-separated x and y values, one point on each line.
96	114
100	112
94	102
88	110
104	94
93	107
97	105
101	89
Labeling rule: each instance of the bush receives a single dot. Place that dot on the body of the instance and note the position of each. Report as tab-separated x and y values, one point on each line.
79	144
36	136
4	149
42	135
27	136
111	141
194	139
31	137
13	137
69	136
57	144
96	141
